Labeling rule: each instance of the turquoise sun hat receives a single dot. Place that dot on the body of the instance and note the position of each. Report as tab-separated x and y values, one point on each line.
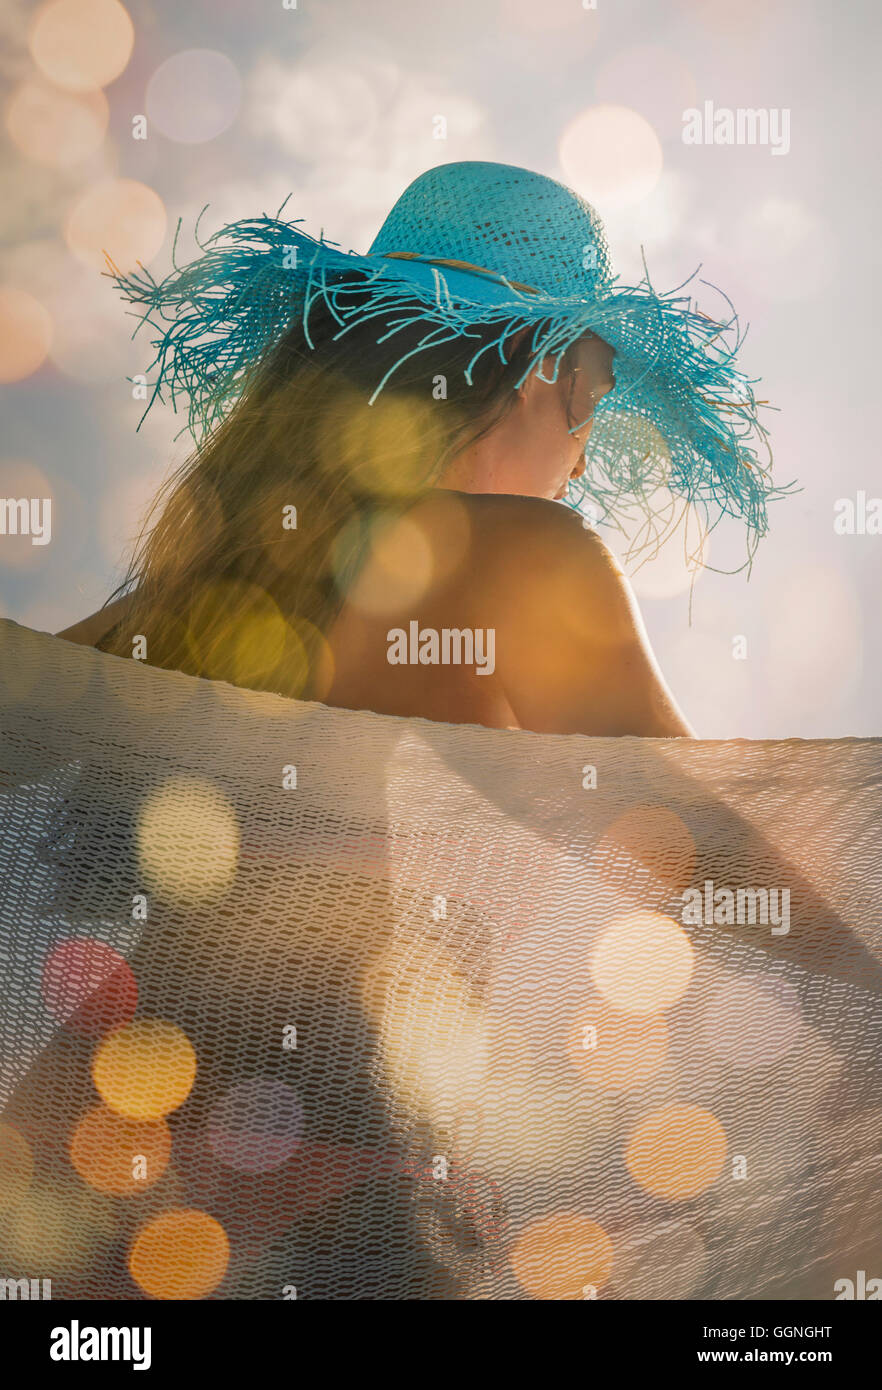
480	244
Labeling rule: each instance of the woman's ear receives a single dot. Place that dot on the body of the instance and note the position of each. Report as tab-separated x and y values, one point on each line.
542	375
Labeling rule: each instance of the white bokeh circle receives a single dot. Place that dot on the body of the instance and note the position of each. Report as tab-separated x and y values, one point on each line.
611	155
194	96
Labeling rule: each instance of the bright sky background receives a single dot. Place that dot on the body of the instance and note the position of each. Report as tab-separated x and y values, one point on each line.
333	102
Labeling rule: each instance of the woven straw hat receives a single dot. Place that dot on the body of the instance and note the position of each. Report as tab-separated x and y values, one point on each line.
477	243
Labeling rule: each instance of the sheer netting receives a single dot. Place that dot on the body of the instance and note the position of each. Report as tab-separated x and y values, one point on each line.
302	1002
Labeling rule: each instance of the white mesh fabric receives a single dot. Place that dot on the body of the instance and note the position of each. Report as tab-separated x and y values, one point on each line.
517	1073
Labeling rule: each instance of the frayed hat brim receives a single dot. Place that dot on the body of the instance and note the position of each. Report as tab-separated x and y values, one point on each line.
682	415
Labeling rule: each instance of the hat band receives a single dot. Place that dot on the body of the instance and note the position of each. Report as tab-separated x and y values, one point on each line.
458	265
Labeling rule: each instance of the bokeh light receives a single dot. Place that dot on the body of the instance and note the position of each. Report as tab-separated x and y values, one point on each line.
387	563
81	44
145	1069
117	1155
616	1051
677	1152
121	217
88	986
180	1254
238	634
188	841
16	1166
525	1122
390	561
384	449
66	291
559	1256
752	1024
611	154
647	851
433	1034
194	96
256	1126
305	670
53	127
61	1229
397	568
642	963
25	333
91	336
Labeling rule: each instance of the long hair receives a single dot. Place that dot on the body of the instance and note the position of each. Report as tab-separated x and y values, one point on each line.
248	550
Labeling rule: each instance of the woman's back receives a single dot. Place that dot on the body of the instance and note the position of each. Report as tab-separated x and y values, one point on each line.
482	609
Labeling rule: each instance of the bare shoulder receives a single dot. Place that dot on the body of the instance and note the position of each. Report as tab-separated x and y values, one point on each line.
556	568
572	651
538	522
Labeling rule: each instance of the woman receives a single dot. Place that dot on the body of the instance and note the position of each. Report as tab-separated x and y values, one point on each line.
372	518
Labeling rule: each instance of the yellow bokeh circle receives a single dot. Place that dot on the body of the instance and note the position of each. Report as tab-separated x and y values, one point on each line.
145	1069
188	841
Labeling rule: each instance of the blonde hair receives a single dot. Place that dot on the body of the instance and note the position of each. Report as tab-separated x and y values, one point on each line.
246	553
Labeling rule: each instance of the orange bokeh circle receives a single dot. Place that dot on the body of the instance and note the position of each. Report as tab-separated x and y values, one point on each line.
559	1256
677	1152
180	1254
